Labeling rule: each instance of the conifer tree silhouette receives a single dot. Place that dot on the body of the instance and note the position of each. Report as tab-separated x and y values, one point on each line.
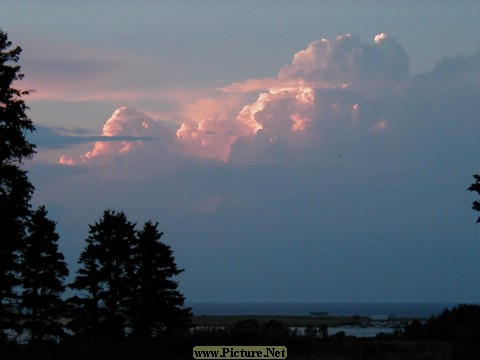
476	187
125	283
15	188
104	279
157	305
43	271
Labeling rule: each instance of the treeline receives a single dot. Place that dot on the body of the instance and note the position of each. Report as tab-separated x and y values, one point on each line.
124	287
454	334
459	326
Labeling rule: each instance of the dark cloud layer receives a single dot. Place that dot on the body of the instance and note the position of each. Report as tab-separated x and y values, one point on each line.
55	138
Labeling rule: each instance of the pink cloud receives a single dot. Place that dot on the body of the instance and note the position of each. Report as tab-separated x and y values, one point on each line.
128	122
345	61
207	124
324	98
253	85
212	137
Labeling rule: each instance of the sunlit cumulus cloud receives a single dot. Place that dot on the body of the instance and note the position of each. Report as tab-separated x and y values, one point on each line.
212	137
370	69
320	97
125	122
334	95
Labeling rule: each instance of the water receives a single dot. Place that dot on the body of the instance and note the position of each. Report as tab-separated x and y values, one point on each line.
370	331
375	310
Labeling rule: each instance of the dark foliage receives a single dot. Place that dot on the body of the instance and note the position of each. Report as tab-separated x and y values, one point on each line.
14	148
249	332
157	305
125	284
104	279
476	187
15	189
43	271
460	326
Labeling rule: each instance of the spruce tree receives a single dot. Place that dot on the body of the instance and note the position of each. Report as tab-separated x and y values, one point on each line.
157	306
103	279
476	188
43	271
15	188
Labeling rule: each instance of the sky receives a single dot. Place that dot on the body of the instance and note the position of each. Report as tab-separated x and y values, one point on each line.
291	151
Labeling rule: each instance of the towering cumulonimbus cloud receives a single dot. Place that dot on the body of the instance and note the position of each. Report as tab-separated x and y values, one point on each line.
320	98
345	61
327	96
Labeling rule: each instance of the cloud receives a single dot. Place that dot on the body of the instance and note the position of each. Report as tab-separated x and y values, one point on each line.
335	97
212	137
345	61
45	137
301	124
324	100
125	131
252	85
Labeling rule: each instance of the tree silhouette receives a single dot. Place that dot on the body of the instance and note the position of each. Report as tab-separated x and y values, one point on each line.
125	283
476	187
157	305
43	271
15	188
104	279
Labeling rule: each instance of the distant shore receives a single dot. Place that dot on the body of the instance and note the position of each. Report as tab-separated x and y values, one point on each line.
295	321
305	310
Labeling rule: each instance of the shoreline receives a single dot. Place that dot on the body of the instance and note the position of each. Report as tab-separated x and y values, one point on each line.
293	321
377	310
